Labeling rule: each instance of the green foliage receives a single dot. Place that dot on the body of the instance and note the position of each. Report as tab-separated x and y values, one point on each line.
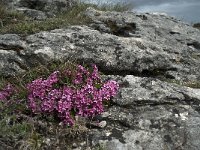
33	142
62	20
9	17
21	129
11	126
16	122
15	22
100	147
192	84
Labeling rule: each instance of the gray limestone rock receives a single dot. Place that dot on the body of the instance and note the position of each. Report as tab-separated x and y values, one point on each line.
120	55
140	51
168	119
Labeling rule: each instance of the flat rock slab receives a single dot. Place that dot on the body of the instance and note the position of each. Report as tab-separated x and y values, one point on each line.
136	122
113	54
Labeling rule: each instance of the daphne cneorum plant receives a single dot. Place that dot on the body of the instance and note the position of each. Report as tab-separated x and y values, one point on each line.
67	93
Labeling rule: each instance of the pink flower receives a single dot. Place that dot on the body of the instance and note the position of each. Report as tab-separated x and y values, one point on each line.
82	97
7	92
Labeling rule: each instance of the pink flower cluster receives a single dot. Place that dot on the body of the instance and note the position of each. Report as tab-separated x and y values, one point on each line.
84	95
6	92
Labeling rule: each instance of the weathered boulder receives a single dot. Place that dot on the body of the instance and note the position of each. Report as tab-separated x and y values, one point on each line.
150	114
139	44
162	40
10	47
140	51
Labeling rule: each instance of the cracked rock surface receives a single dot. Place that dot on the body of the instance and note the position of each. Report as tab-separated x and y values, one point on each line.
141	52
150	114
172	52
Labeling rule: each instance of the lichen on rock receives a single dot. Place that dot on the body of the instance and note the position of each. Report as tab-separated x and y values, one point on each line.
153	57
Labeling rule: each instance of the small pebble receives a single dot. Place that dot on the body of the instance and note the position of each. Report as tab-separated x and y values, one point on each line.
102	124
105	114
74	145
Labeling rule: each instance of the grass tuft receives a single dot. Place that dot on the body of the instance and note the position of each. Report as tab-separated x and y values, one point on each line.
21	129
17	23
27	26
191	84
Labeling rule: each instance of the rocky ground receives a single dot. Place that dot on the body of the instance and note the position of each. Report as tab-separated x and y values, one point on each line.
156	60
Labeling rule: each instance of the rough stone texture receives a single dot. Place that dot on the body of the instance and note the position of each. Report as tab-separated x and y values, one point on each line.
137	50
160	44
10	60
157	46
150	114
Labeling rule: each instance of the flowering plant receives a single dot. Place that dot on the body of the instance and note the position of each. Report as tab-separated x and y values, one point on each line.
68	93
6	92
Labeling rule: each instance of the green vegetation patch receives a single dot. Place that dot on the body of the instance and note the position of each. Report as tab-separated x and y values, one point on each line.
192	84
20	24
15	22
50	107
